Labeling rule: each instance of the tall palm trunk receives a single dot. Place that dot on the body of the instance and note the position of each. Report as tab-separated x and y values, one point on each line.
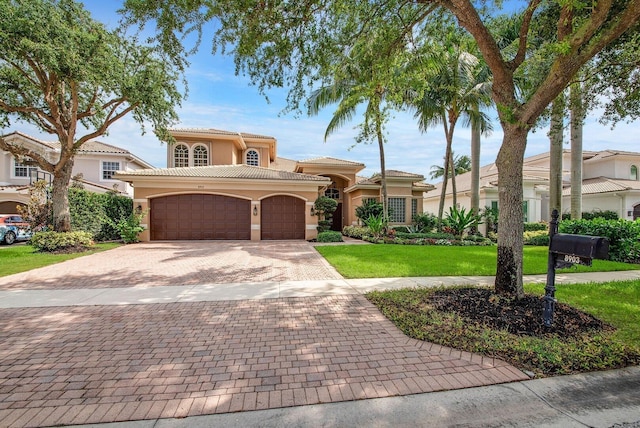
447	157
383	169
475	168
577	120
555	155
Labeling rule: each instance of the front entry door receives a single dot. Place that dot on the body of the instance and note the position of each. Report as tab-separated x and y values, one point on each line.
337	218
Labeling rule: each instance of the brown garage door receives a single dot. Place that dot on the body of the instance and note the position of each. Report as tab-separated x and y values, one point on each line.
283	217
194	216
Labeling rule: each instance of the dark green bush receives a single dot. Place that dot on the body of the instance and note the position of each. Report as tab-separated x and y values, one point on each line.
606	214
425	222
98	213
329	236
370	208
61	241
532	227
623	235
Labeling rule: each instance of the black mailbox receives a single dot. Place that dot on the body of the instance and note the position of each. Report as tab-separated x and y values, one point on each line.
579	249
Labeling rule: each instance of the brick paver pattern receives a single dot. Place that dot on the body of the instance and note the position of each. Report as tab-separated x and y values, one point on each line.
187	263
117	363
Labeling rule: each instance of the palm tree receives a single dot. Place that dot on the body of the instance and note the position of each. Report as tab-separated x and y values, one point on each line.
461	164
361	80
457	86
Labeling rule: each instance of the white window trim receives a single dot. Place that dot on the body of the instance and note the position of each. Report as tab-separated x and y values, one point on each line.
173	155
192	157
246	156
22	165
102	170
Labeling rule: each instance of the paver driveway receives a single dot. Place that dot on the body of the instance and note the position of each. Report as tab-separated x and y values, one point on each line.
181	263
89	364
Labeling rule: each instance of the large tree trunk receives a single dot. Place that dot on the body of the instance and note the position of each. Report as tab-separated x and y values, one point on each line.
60	197
475	169
577	120
555	155
510	161
454	189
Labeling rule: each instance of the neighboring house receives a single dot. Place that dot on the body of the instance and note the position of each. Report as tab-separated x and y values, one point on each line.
96	162
610	182
230	185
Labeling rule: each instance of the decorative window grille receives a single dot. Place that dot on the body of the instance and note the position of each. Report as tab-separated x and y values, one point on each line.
397	210
253	158
200	156
108	168
181	156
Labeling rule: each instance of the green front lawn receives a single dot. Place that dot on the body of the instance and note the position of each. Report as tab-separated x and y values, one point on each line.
21	258
384	261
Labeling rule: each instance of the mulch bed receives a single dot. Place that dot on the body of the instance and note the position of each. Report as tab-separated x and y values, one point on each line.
522	317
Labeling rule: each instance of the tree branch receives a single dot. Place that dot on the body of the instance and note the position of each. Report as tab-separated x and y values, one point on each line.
523	36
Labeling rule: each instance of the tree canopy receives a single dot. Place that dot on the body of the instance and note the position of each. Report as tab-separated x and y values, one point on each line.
65	73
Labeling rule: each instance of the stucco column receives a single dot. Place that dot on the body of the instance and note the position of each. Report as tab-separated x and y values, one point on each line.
142	205
256	211
311	222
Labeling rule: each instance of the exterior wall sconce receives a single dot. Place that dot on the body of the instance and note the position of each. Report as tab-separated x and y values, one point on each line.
313	211
255	210
139	209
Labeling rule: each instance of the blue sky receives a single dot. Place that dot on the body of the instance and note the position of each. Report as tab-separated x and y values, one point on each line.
219	99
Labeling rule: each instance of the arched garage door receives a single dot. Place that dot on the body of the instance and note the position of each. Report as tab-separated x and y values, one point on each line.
10	207
283	217
195	216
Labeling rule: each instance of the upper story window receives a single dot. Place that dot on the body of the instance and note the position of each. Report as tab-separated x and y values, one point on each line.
21	169
108	168
332	193
634	172
253	158
180	156
200	156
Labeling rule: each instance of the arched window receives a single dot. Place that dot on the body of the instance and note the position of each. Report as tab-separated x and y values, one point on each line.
634	172
200	156
332	193
253	158
180	156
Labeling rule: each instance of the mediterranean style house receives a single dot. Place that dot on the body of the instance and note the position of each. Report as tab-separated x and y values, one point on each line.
95	164
610	182
230	185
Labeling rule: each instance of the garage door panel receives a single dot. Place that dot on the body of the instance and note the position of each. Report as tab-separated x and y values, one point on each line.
200	216
283	217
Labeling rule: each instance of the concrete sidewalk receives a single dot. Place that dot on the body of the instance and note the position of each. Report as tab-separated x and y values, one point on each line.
37	298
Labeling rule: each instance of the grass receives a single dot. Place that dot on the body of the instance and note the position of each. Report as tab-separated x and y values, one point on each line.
384	261
21	258
616	303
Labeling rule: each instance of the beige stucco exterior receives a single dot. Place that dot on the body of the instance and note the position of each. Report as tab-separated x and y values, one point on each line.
256	178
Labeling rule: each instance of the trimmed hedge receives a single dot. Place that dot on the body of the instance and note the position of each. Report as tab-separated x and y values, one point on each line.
99	213
536	237
329	236
623	235
357	232
532	227
61	241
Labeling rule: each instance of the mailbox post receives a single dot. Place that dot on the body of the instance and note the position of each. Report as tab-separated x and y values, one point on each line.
565	250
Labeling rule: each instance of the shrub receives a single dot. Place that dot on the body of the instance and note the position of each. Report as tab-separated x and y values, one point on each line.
325	207
61	241
130	228
329	236
369	208
536	237
532	227
606	214
98	213
425	222
459	220
624	245
433	235
357	232
377	224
